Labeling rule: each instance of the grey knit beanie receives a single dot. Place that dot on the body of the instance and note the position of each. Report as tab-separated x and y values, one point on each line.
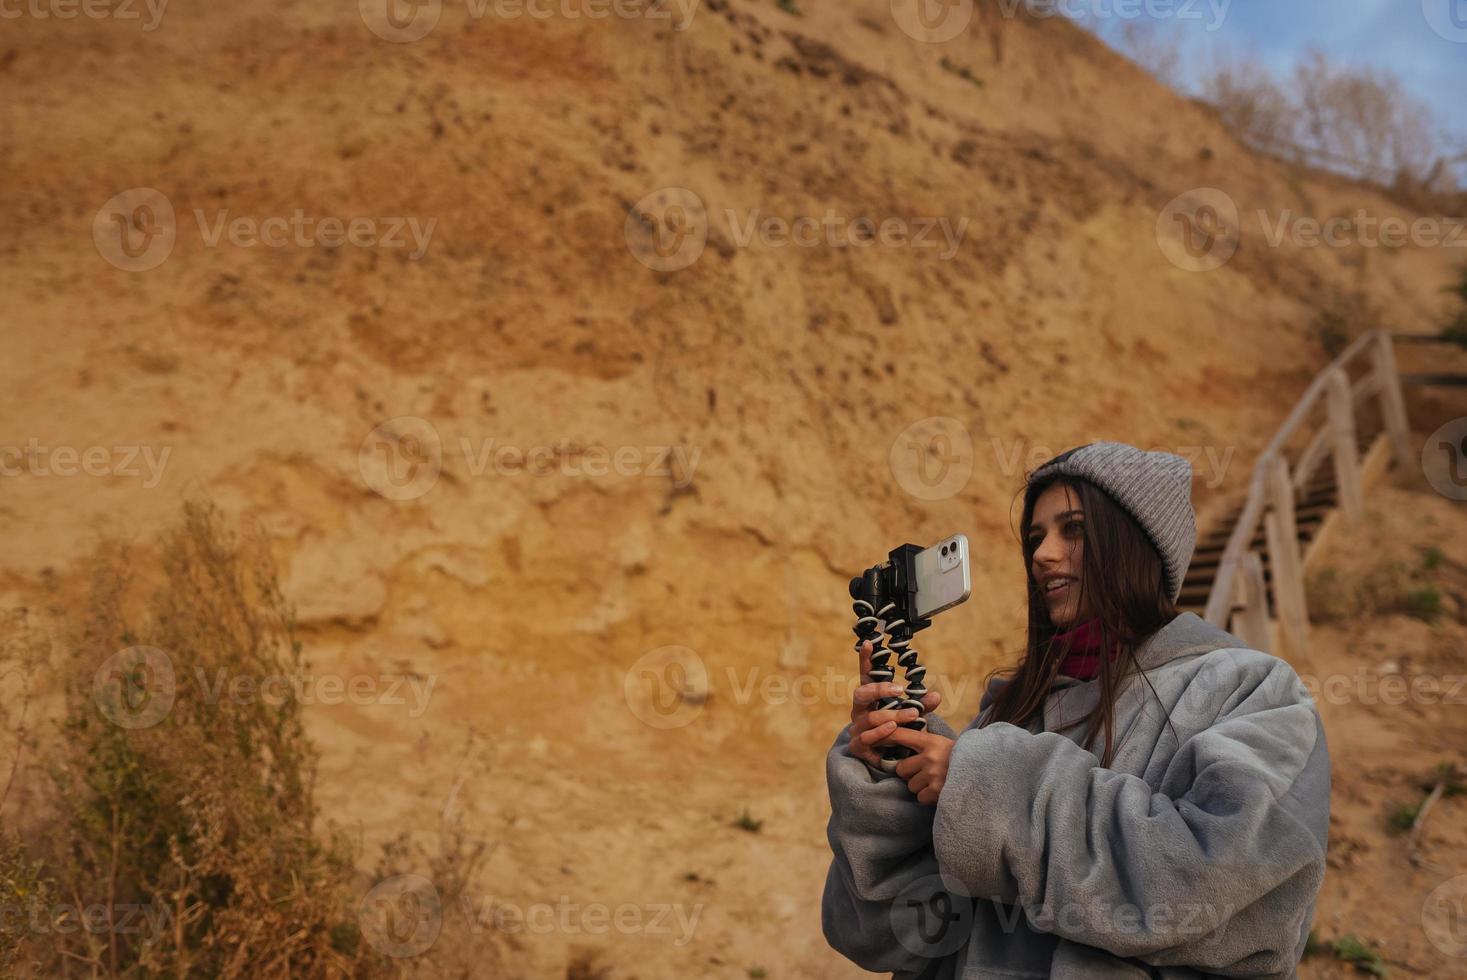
1155	488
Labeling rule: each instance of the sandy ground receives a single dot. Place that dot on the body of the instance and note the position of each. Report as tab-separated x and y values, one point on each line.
756	397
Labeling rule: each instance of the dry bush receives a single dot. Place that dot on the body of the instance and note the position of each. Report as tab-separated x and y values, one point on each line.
1356	120
178	806
1252	104
1381	588
1158	53
23	882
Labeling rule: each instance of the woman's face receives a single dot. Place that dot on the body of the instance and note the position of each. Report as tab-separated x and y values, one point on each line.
1057	536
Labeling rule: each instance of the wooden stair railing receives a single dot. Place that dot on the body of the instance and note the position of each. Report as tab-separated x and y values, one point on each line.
1250	570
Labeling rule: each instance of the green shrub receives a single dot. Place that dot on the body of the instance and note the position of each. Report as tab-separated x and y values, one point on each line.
1352	950
1401	817
1423	603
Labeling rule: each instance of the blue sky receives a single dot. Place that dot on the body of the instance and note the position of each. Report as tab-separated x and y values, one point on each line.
1397	35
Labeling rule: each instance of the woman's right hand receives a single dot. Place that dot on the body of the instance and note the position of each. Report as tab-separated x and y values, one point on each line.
868	726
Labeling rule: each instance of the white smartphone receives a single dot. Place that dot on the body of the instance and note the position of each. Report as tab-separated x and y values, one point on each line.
942	574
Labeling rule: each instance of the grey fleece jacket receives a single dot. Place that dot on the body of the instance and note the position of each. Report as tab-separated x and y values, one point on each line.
1200	852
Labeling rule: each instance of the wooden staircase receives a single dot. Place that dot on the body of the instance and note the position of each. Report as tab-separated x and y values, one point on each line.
1316	503
1247	573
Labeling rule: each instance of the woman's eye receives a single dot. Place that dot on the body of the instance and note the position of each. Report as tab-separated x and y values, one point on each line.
1075	527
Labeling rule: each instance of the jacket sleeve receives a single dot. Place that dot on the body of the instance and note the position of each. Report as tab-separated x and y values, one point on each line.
883	878
1219	870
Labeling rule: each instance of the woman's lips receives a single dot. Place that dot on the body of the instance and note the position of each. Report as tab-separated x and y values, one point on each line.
1060	593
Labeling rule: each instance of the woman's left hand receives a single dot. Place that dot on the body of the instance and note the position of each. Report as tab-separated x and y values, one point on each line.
925	772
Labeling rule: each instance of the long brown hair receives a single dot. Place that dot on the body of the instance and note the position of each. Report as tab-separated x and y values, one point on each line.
1123	572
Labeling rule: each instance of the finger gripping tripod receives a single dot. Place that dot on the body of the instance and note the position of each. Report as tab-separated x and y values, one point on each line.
885	602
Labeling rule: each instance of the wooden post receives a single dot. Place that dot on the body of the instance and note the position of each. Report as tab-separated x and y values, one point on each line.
1392	403
1283	556
1345	451
1252	619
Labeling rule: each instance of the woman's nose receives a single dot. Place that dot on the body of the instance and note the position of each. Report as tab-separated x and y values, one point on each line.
1049	552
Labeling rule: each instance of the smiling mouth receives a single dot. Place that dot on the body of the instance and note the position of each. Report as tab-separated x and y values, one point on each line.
1059	588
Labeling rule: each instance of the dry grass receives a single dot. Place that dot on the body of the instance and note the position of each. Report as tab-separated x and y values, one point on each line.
183	815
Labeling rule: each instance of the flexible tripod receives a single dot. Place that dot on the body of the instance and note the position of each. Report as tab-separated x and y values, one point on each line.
885	602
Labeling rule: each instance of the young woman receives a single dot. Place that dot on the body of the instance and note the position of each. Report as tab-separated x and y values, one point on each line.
1140	796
